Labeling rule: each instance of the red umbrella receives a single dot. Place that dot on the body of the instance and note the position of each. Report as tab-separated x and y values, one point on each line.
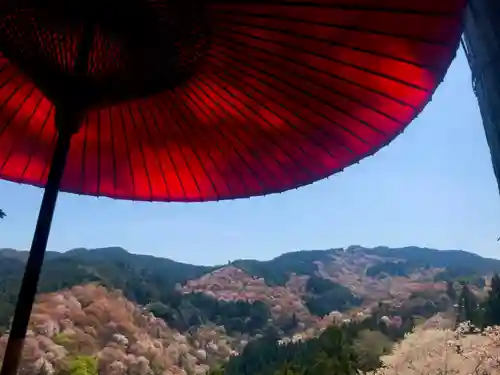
205	100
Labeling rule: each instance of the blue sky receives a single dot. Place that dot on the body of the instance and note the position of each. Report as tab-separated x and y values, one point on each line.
433	186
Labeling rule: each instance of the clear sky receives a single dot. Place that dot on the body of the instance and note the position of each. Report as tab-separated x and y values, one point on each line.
433	186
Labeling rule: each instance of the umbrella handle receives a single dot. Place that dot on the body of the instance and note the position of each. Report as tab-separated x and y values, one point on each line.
33	268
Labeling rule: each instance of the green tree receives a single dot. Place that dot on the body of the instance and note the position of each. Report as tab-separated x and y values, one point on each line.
337	355
492	305
369	347
62	339
468	308
218	370
450	291
287	369
82	365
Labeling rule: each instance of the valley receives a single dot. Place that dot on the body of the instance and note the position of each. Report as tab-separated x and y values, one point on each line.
122	313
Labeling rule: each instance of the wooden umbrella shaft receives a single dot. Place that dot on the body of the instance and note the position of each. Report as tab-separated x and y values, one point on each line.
33	268
67	122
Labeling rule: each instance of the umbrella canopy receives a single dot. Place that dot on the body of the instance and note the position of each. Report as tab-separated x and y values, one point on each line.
212	101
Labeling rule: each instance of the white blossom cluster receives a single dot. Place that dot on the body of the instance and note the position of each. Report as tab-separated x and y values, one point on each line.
464	351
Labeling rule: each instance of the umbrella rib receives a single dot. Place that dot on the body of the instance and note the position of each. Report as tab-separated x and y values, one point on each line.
160	164
336	26
12	29
181	125
328	104
175	106
249	149
347	96
319	128
11	95
97	45
280	104
334	76
186	134
225	136
338	61
84	155
217	145
139	142
266	138
186	93
30	154
8	79
57	52
25	125
113	151
222	42
434	68
140	109
321	147
277	144
16	111
330	89
268	191
81	64
300	164
127	151
98	124
8	123
58	49
48	156
5	64
355	7
172	162
255	155
63	54
320	114
41	45
303	134
13	92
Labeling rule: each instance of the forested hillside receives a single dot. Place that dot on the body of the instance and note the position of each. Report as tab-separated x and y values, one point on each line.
325	281
308	312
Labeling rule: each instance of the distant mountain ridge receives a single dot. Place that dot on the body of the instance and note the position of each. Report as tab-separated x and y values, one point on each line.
296	287
410	253
276	271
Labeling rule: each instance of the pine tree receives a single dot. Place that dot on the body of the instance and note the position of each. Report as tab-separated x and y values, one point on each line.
451	292
468	307
337	355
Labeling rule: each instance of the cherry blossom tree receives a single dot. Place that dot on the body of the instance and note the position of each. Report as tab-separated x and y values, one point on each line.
465	351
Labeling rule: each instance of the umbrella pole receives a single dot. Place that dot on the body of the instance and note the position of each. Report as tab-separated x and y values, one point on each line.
33	268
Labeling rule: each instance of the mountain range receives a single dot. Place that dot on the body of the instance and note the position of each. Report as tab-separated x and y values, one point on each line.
209	312
301	285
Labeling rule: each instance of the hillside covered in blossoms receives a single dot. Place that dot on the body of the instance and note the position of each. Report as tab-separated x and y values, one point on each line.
337	311
91	326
